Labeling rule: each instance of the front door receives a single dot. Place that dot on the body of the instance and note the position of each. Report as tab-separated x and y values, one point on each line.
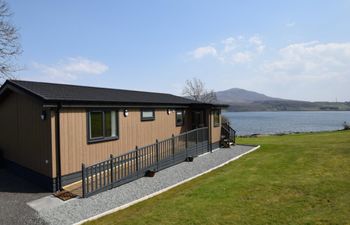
198	119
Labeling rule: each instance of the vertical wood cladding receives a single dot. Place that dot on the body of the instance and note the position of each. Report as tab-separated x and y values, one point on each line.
29	141
24	138
132	131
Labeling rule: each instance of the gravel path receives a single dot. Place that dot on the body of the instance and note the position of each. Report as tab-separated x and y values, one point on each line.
14	193
79	209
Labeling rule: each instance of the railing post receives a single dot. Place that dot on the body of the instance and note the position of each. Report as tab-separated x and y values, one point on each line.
197	142
137	160
173	146
207	140
157	153
186	144
234	137
111	165
83	176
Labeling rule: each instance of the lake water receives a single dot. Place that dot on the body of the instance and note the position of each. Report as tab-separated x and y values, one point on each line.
246	123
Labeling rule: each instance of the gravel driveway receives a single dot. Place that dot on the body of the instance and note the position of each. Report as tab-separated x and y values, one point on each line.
15	192
79	209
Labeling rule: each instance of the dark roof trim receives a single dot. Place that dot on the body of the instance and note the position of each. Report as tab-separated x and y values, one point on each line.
209	105
220	105
117	106
123	105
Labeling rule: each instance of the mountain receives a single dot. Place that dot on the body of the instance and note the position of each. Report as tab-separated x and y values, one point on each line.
244	100
238	95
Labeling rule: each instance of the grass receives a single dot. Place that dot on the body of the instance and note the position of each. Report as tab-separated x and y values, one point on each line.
291	179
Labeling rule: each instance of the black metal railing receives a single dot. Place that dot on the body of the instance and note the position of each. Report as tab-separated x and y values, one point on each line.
228	132
134	164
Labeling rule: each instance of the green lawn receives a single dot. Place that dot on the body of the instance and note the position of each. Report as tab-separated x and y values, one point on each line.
291	179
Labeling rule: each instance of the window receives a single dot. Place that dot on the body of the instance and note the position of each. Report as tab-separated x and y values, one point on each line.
179	117
102	125
147	114
96	125
216	117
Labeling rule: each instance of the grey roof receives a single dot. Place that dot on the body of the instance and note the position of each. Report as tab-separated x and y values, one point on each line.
73	93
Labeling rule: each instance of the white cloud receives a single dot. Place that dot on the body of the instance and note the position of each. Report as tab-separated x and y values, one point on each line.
242	57
315	71
240	50
69	69
258	43
81	65
309	71
311	60
255	40
229	44
232	50
201	52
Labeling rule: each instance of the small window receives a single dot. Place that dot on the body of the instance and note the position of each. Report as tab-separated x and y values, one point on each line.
216	117
179	118
147	115
103	125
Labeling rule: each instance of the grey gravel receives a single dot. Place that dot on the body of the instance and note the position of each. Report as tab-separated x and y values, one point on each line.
80	209
15	192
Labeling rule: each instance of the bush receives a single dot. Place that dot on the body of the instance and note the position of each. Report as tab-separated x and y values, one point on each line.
346	126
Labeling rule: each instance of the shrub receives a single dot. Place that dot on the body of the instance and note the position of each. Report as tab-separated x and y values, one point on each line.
346	126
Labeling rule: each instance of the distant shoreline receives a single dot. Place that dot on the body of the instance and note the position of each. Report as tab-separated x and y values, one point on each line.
287	133
280	106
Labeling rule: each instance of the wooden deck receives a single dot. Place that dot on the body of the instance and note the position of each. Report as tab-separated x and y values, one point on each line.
74	188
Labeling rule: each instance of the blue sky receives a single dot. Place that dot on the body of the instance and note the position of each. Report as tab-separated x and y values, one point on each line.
295	49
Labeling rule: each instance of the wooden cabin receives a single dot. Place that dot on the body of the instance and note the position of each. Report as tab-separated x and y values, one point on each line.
47	131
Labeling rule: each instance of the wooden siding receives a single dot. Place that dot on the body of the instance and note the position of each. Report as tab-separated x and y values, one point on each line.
132	131
24	138
27	140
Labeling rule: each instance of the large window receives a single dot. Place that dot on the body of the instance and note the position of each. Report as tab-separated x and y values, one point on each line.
147	114
179	117
217	113
103	125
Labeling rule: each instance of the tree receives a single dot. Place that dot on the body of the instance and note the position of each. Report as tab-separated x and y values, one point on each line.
10	47
195	89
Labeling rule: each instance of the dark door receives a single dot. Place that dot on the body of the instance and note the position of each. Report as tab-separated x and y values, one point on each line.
198	119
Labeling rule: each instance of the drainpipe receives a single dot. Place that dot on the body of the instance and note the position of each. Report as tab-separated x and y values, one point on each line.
58	150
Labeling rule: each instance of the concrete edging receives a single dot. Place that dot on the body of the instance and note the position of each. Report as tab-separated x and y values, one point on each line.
161	191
